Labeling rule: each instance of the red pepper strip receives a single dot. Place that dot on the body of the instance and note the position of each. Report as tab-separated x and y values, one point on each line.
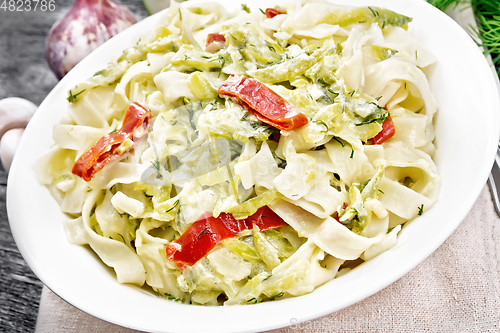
103	151
265	104
336	214
272	12
208	231
386	133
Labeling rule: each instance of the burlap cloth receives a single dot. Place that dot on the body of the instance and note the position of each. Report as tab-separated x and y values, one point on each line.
456	289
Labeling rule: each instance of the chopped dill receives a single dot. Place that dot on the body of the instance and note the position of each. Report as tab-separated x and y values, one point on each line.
172	298
176	203
235	152
122	238
245	7
222	63
380	120
336	139
205	232
323	82
420	210
169	296
74	97
277	295
156	165
321	122
374	12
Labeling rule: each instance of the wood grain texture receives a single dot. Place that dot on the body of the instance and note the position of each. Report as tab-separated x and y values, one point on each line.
25	73
19	287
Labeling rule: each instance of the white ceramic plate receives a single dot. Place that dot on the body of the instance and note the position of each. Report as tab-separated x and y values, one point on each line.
467	128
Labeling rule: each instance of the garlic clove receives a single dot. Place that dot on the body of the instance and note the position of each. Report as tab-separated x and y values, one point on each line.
15	112
88	24
8	146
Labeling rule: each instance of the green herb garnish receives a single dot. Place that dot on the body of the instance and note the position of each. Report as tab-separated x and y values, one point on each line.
335	138
169	296
176	203
277	295
323	82
156	165
172	298
321	122
222	63
374	12
380	119
245	7
205	232
420	210
487	33
73	97
444	4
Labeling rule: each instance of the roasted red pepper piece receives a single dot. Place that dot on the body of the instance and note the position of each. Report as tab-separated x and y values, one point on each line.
215	37
387	132
215	42
105	150
265	104
336	214
272	12
208	231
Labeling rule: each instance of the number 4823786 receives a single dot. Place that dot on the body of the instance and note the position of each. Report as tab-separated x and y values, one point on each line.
27	5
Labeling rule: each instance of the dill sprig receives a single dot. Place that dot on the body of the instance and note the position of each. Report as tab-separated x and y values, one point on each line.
445	4
488	28
420	209
245	7
487	34
74	97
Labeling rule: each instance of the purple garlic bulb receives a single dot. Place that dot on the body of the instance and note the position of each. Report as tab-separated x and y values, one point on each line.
88	24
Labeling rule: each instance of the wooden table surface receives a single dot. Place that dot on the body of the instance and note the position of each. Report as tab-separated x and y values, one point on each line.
25	73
